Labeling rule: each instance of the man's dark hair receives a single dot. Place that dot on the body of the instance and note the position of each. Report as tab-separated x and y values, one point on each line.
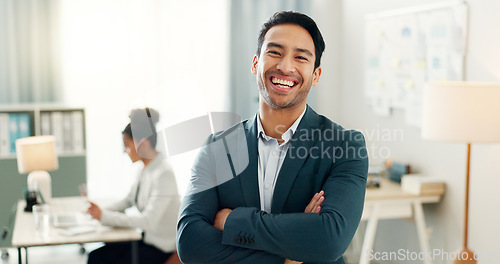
295	18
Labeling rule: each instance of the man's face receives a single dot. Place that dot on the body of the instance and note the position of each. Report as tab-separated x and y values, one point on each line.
285	67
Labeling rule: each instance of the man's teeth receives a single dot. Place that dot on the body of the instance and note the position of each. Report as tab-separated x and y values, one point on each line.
283	82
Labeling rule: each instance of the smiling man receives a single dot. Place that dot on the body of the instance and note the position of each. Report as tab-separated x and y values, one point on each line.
299	196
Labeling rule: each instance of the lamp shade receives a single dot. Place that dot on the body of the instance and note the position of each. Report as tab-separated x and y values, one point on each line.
36	154
461	111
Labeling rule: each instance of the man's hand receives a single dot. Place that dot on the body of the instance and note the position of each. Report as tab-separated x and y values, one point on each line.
94	211
220	218
314	205
287	261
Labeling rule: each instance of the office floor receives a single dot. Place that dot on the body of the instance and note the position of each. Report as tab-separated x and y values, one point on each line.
64	254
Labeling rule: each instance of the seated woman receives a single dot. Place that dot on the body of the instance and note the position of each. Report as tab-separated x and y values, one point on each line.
154	193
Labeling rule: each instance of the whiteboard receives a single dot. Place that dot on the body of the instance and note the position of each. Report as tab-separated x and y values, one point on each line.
405	48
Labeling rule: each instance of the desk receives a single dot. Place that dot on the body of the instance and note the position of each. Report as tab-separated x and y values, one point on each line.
388	202
24	234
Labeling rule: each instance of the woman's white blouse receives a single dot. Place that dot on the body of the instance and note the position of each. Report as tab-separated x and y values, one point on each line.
158	201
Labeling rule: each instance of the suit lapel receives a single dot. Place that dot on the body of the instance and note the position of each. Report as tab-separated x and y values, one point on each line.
297	153
249	176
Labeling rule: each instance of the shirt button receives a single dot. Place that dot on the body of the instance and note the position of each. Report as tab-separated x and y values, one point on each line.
275	153
268	186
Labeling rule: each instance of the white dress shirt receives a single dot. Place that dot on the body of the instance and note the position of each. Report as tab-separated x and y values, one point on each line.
271	157
155	194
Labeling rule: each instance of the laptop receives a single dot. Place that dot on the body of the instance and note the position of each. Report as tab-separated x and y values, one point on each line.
70	219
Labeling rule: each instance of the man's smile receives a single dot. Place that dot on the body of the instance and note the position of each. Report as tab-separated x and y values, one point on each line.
283	83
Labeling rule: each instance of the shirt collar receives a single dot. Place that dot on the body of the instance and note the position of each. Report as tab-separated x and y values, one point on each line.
287	135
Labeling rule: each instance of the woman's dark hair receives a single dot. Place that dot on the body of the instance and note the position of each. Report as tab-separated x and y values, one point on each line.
143	125
295	18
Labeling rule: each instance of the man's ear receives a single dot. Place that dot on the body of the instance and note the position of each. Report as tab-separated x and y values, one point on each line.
254	64
316	75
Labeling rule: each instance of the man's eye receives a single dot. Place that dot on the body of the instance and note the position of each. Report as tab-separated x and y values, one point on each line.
273	52
302	58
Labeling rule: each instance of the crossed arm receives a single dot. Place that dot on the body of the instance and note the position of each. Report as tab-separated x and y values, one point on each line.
230	254
319	237
314	206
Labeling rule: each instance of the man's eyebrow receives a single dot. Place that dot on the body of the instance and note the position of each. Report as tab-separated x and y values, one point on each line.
306	51
274	45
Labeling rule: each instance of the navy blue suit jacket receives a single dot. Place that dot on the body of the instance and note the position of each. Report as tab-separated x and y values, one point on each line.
322	156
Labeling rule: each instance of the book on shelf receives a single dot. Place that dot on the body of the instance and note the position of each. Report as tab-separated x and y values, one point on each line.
13	126
24	127
67	127
45	123
422	185
77	131
67	132
58	130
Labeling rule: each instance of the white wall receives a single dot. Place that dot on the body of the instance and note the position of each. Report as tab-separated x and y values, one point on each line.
445	160
327	14
122	54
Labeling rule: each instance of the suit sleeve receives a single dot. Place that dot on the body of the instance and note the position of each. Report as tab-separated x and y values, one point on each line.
198	241
322	237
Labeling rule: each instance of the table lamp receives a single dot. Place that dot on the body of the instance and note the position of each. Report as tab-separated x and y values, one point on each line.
462	112
37	155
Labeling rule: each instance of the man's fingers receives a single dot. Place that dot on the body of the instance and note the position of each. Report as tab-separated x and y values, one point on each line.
320	201
316	201
310	206
287	261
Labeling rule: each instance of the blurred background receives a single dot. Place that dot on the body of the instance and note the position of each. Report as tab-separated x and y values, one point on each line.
187	58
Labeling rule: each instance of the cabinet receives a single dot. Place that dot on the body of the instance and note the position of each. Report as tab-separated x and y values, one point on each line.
67	124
